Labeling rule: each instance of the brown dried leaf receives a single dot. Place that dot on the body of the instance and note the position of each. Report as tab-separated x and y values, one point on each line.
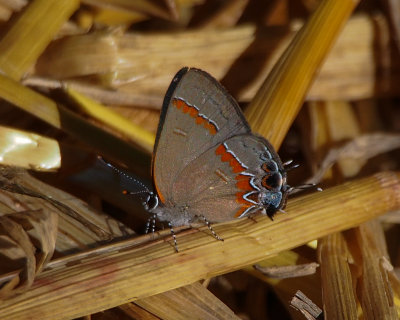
362	147
13	181
308	308
284	272
28	243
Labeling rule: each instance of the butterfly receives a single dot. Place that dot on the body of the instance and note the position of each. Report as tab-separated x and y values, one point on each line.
207	164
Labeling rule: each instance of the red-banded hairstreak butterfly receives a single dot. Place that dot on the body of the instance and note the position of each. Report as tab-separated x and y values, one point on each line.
207	164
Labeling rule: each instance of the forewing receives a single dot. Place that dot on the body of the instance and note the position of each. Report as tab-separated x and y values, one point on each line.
197	115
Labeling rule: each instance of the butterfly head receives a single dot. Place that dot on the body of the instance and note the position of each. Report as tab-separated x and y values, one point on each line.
273	187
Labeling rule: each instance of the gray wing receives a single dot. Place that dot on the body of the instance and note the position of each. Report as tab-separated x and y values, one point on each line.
197	115
225	182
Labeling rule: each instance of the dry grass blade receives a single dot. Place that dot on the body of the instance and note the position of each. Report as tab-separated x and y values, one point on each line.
284	272
14	237
18	182
393	12
136	312
284	287
156	268
375	291
342	125
226	16
31	33
103	95
114	120
306	306
7	7
99	260
147	7
140	59
62	118
362	147
28	243
28	150
42	226
185	302
346	263
339	297
142	64
282	93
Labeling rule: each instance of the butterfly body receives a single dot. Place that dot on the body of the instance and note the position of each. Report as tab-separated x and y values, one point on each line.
206	162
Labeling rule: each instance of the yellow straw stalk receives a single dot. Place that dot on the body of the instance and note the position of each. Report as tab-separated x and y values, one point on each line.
276	104
31	33
116	276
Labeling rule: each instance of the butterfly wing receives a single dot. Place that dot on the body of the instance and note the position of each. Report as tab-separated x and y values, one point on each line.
237	177
197	115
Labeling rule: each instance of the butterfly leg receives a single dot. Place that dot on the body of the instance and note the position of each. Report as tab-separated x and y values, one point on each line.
173	236
208	224
151	222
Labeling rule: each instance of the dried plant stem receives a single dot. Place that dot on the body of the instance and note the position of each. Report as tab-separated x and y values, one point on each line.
282	94
375	291
338	292
115	277
62	118
284	287
136	312
31	33
114	120
183	303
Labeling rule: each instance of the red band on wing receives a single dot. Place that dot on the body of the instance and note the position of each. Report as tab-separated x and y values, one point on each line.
243	182
194	113
227	156
240	199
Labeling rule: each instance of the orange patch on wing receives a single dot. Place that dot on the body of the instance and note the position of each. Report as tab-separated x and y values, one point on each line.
253	196
220	150
244	184
237	167
226	156
200	120
212	128
178	103
194	113
240	199
186	108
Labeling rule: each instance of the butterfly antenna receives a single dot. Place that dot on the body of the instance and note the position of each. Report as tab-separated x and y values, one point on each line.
126	176
286	163
173	236
289	165
208	224
303	187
